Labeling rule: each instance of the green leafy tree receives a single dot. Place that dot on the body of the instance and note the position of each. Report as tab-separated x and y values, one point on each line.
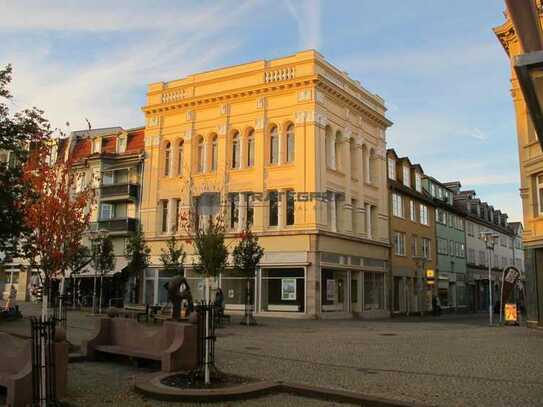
173	256
17	132
137	254
246	256
210	248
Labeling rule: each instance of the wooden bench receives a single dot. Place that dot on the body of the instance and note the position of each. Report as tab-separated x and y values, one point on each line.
16	369
174	345
135	311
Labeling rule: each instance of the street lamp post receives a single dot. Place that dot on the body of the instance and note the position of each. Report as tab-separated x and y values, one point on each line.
490	241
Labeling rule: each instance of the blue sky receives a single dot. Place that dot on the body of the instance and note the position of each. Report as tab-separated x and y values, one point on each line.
443	74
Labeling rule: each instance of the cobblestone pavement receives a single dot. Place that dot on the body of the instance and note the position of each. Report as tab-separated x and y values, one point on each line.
448	361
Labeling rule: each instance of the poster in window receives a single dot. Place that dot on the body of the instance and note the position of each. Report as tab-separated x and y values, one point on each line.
288	289
330	289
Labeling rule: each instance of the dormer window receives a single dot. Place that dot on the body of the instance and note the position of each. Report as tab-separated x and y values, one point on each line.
392	168
406	176
418	182
121	144
97	145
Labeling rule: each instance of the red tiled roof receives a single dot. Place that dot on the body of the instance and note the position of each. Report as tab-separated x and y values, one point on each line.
136	141
109	145
81	149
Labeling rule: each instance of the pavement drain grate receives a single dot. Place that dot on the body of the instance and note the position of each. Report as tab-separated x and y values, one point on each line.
388	334
252	348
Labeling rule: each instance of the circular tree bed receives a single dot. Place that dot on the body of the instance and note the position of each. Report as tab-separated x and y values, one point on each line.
219	380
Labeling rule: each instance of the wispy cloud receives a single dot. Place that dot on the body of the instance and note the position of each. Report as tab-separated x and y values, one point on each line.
307	14
110	89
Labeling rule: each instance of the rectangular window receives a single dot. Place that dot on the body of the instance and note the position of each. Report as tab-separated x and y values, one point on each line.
107	211
107	178
290	207
418	182
414	248
164	216
424	215
451	248
121	145
471	256
413	211
96	145
374	291
407	176
399	244
440	216
250	210
392	168
273	208
234	210
462	250
250	152
397	205
442	246
426	248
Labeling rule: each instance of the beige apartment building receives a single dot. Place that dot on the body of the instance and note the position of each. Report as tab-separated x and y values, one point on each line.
531	172
293	149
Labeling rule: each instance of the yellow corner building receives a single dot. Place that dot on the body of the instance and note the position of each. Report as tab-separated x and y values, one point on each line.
293	149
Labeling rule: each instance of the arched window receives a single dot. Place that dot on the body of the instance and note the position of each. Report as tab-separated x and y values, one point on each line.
180	161
290	143
328	146
214	153
201	154
274	146
337	151
235	150
167	158
251	148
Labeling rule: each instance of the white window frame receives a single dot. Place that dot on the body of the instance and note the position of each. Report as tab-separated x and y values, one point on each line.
111	211
412	210
424	215
121	144
426	247
407	176
392	168
397	205
399	243
418	182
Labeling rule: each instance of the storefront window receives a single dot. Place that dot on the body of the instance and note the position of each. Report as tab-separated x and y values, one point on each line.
283	290
374	291
333	290
234	287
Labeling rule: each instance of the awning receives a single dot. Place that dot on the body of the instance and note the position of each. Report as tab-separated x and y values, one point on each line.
120	263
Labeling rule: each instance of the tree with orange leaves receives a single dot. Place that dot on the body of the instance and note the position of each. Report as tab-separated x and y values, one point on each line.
56	213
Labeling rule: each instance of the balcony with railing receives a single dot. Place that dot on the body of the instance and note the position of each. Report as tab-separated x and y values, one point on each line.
116	225
116	192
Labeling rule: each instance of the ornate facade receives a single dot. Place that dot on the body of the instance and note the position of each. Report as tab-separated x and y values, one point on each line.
293	149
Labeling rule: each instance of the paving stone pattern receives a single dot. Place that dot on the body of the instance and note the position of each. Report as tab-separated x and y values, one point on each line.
447	361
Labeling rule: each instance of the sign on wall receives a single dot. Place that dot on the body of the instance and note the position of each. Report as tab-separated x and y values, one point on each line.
288	289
